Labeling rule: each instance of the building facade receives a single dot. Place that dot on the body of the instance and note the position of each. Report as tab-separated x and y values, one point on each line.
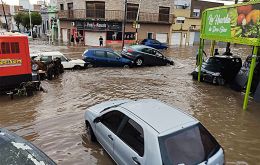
186	26
91	19
10	11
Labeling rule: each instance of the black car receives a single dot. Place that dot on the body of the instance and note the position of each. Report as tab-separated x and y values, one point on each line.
15	150
240	82
219	69
145	55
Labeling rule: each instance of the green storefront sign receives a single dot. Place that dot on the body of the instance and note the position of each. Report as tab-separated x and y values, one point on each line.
237	24
218	23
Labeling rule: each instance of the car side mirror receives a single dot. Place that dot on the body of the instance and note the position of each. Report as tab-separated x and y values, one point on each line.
97	120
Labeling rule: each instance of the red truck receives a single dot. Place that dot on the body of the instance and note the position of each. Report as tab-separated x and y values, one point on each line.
15	63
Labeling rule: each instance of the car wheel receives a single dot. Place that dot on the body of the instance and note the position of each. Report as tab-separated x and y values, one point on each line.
90	134
220	81
77	67
139	62
126	66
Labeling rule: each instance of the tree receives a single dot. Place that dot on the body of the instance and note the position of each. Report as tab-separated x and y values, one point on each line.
36	18
26	21
18	19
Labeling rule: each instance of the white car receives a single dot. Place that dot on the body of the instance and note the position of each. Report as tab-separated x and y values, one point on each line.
149	132
66	62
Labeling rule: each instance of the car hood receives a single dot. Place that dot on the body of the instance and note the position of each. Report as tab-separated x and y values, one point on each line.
79	61
96	109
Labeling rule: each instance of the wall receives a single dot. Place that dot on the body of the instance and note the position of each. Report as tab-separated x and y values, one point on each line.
150	6
202	5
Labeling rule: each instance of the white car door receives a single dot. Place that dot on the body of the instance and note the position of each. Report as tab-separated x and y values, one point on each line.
106	129
65	62
129	144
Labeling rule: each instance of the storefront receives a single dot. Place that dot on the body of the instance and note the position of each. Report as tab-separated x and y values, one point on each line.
111	32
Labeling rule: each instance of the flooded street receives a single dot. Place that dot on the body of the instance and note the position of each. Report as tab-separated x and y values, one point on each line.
54	120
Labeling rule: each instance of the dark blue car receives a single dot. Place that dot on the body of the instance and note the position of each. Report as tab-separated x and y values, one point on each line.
106	57
154	44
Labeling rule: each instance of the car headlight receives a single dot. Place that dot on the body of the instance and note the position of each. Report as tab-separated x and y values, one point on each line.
216	74
35	67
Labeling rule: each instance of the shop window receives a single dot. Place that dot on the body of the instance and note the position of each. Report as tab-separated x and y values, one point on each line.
15	47
164	13
95	9
5	48
132	10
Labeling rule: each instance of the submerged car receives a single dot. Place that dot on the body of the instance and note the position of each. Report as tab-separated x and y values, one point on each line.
240	81
149	132
106	57
219	69
145	55
17	151
66	62
154	44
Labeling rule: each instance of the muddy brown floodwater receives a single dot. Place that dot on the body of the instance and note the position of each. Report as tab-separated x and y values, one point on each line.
54	121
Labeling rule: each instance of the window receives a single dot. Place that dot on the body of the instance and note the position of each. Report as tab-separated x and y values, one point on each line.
15	47
5	48
70	10
132	10
95	9
112	120
180	19
62	58
192	145
133	135
99	53
112	55
61	6
196	13
164	13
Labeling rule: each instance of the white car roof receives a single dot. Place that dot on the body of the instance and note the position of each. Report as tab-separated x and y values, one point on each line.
158	115
50	53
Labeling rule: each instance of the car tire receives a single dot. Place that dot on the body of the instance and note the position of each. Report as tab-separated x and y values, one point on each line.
139	62
126	66
220	81
77	67
90	134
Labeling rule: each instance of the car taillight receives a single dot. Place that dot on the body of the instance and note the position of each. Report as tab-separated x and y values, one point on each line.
130	51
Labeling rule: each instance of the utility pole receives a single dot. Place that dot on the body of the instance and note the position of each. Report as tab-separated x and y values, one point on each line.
136	21
5	15
30	17
124	25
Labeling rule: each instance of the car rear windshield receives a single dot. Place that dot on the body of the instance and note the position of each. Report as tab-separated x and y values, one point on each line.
189	146
11	154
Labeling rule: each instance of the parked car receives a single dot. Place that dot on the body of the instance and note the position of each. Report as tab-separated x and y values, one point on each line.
219	69
105	57
66	62
149	132
154	44
145	55
17	151
240	82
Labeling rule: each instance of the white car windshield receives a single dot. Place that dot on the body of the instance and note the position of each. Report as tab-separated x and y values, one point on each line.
189	146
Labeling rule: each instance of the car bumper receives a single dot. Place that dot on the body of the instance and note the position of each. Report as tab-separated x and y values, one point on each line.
205	77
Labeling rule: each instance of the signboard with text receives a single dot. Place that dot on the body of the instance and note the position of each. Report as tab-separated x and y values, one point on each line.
236	24
98	26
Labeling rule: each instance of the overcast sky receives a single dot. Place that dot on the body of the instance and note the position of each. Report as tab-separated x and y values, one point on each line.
16	2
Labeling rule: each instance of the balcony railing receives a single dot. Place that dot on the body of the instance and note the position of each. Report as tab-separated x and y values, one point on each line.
115	15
